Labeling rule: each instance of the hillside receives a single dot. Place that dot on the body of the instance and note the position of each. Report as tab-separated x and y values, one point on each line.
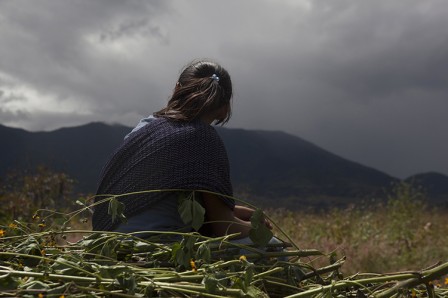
273	165
265	165
433	184
78	151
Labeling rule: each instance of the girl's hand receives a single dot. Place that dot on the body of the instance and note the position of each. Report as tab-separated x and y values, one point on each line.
245	213
268	224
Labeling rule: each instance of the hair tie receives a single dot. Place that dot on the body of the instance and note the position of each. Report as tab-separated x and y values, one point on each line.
215	77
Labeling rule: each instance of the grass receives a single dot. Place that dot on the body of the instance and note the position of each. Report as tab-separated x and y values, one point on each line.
337	253
404	234
371	240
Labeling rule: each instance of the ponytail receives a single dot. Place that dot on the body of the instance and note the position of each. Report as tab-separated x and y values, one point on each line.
203	88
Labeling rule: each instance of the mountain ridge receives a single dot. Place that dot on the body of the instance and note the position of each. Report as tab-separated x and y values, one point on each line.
268	166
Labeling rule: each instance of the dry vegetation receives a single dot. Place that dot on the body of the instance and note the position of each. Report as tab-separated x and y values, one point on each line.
404	234
36	260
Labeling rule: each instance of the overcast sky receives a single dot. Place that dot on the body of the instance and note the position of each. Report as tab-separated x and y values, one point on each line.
367	80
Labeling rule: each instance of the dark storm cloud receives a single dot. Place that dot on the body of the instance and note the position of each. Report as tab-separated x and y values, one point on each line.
367	80
55	48
364	79
378	51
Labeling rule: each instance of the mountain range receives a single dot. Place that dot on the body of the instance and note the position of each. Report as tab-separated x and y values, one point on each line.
271	168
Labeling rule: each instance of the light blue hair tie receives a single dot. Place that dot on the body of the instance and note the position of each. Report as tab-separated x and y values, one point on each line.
215	77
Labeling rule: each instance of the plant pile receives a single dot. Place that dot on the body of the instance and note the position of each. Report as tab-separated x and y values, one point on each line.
37	260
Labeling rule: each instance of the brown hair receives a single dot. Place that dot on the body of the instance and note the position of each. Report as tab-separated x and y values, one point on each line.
203	87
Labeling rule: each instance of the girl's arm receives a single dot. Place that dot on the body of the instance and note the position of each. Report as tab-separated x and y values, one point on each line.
243	212
223	219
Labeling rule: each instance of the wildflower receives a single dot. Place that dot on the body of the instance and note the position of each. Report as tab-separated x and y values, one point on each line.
2	232
243	258
12	225
41	225
35	216
62	296
446	280
193	266
40	295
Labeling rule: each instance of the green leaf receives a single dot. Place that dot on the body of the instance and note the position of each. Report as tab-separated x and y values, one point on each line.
174	248
8	283
255	292
259	234
203	253
64	266
191	211
183	258
198	215
185	211
127	282
238	283
112	271
182	253
189	241
257	218
108	250
248	273
116	209
210	283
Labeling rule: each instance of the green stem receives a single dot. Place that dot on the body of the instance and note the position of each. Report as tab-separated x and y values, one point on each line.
102	291
424	278
14	254
299	253
54	276
280	284
269	272
326	269
190	288
199	289
410	281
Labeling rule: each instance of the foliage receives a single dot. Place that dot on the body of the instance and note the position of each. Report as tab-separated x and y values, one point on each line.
22	194
404	207
191	211
37	260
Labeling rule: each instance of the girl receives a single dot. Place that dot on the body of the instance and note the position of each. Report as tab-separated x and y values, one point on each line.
177	148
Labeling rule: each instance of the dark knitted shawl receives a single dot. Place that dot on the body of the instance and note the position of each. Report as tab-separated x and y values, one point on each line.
164	154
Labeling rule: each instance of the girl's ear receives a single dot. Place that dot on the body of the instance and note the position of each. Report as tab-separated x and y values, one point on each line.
221	113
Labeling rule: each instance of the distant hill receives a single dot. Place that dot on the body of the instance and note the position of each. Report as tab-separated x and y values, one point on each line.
275	166
78	151
434	185
268	166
